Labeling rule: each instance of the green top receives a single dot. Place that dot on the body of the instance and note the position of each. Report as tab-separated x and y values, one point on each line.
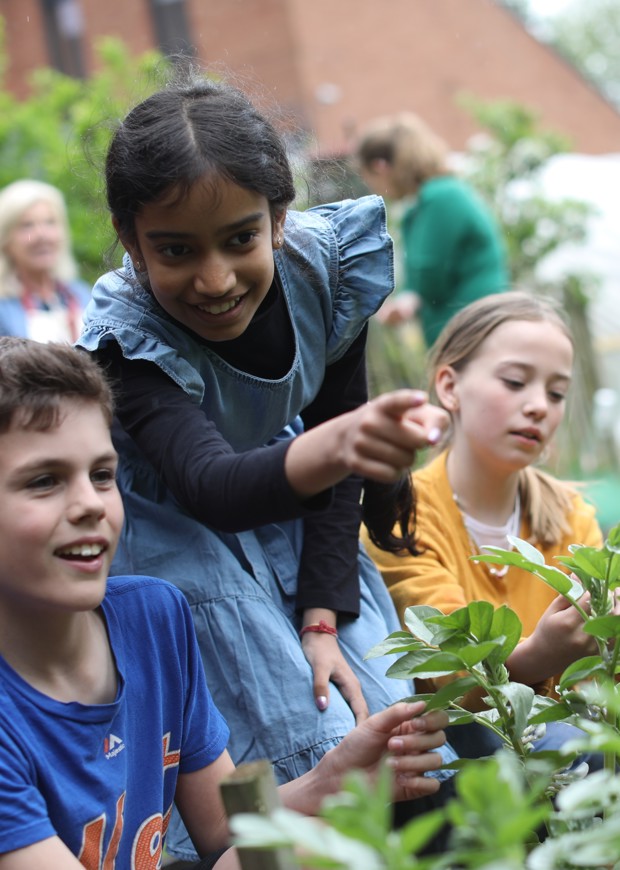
454	252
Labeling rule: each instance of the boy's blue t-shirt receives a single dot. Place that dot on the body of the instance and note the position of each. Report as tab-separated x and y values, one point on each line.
103	777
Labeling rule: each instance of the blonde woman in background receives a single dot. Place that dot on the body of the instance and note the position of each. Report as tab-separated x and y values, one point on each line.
41	296
453	248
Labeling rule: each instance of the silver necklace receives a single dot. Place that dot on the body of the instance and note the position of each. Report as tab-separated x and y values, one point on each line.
499	533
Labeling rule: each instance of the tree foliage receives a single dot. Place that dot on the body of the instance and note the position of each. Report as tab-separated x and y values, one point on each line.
60	133
588	35
505	165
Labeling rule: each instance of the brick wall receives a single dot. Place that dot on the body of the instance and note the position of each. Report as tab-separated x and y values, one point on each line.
335	64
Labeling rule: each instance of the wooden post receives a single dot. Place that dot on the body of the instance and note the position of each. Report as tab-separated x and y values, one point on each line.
252	789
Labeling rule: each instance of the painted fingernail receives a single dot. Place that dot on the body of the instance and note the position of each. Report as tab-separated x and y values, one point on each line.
434	435
321	702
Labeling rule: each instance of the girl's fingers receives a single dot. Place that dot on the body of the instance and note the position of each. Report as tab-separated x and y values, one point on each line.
399	402
415	744
414	765
387	432
395	716
434	721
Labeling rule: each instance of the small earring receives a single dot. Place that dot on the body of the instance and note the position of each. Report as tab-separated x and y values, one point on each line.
137	265
277	241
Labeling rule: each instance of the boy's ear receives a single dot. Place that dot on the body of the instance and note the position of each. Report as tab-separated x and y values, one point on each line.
277	228
446	383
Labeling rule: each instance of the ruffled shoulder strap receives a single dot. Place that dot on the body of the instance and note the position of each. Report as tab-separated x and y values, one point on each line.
365	270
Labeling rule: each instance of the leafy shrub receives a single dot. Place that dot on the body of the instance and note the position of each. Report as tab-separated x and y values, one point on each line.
60	133
505	802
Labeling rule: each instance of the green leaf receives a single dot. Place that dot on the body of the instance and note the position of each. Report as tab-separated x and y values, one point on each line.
602	692
590	793
527	550
614	571
438	665
444	696
362	809
613	540
558	580
458	620
416	833
506	625
554	713
459	717
555	578
406	665
582	669
480	618
520	698
499	556
473	655
495	813
467	626
595	737
603	626
588	559
415	620
579	578
398	641
285	827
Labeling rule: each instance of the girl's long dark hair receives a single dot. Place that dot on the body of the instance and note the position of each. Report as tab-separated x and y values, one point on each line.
386	507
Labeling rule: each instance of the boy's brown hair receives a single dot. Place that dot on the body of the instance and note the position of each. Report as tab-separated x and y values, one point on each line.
35	380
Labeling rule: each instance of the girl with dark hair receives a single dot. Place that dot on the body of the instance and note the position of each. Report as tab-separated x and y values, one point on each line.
235	332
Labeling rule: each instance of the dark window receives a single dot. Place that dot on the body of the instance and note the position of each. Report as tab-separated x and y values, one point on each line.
171	27
64	29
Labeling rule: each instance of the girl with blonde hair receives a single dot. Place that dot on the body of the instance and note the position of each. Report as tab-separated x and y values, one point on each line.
502	369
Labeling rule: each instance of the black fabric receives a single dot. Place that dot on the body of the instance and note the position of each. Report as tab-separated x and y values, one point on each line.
331	536
267	347
206	863
404	811
472	740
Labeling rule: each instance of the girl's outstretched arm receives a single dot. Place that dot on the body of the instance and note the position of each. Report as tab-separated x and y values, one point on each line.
234	492
378	440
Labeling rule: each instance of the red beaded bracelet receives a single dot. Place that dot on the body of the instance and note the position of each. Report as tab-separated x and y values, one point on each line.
321	627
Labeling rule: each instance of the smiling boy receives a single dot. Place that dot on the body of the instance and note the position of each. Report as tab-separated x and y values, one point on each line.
83	675
105	717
